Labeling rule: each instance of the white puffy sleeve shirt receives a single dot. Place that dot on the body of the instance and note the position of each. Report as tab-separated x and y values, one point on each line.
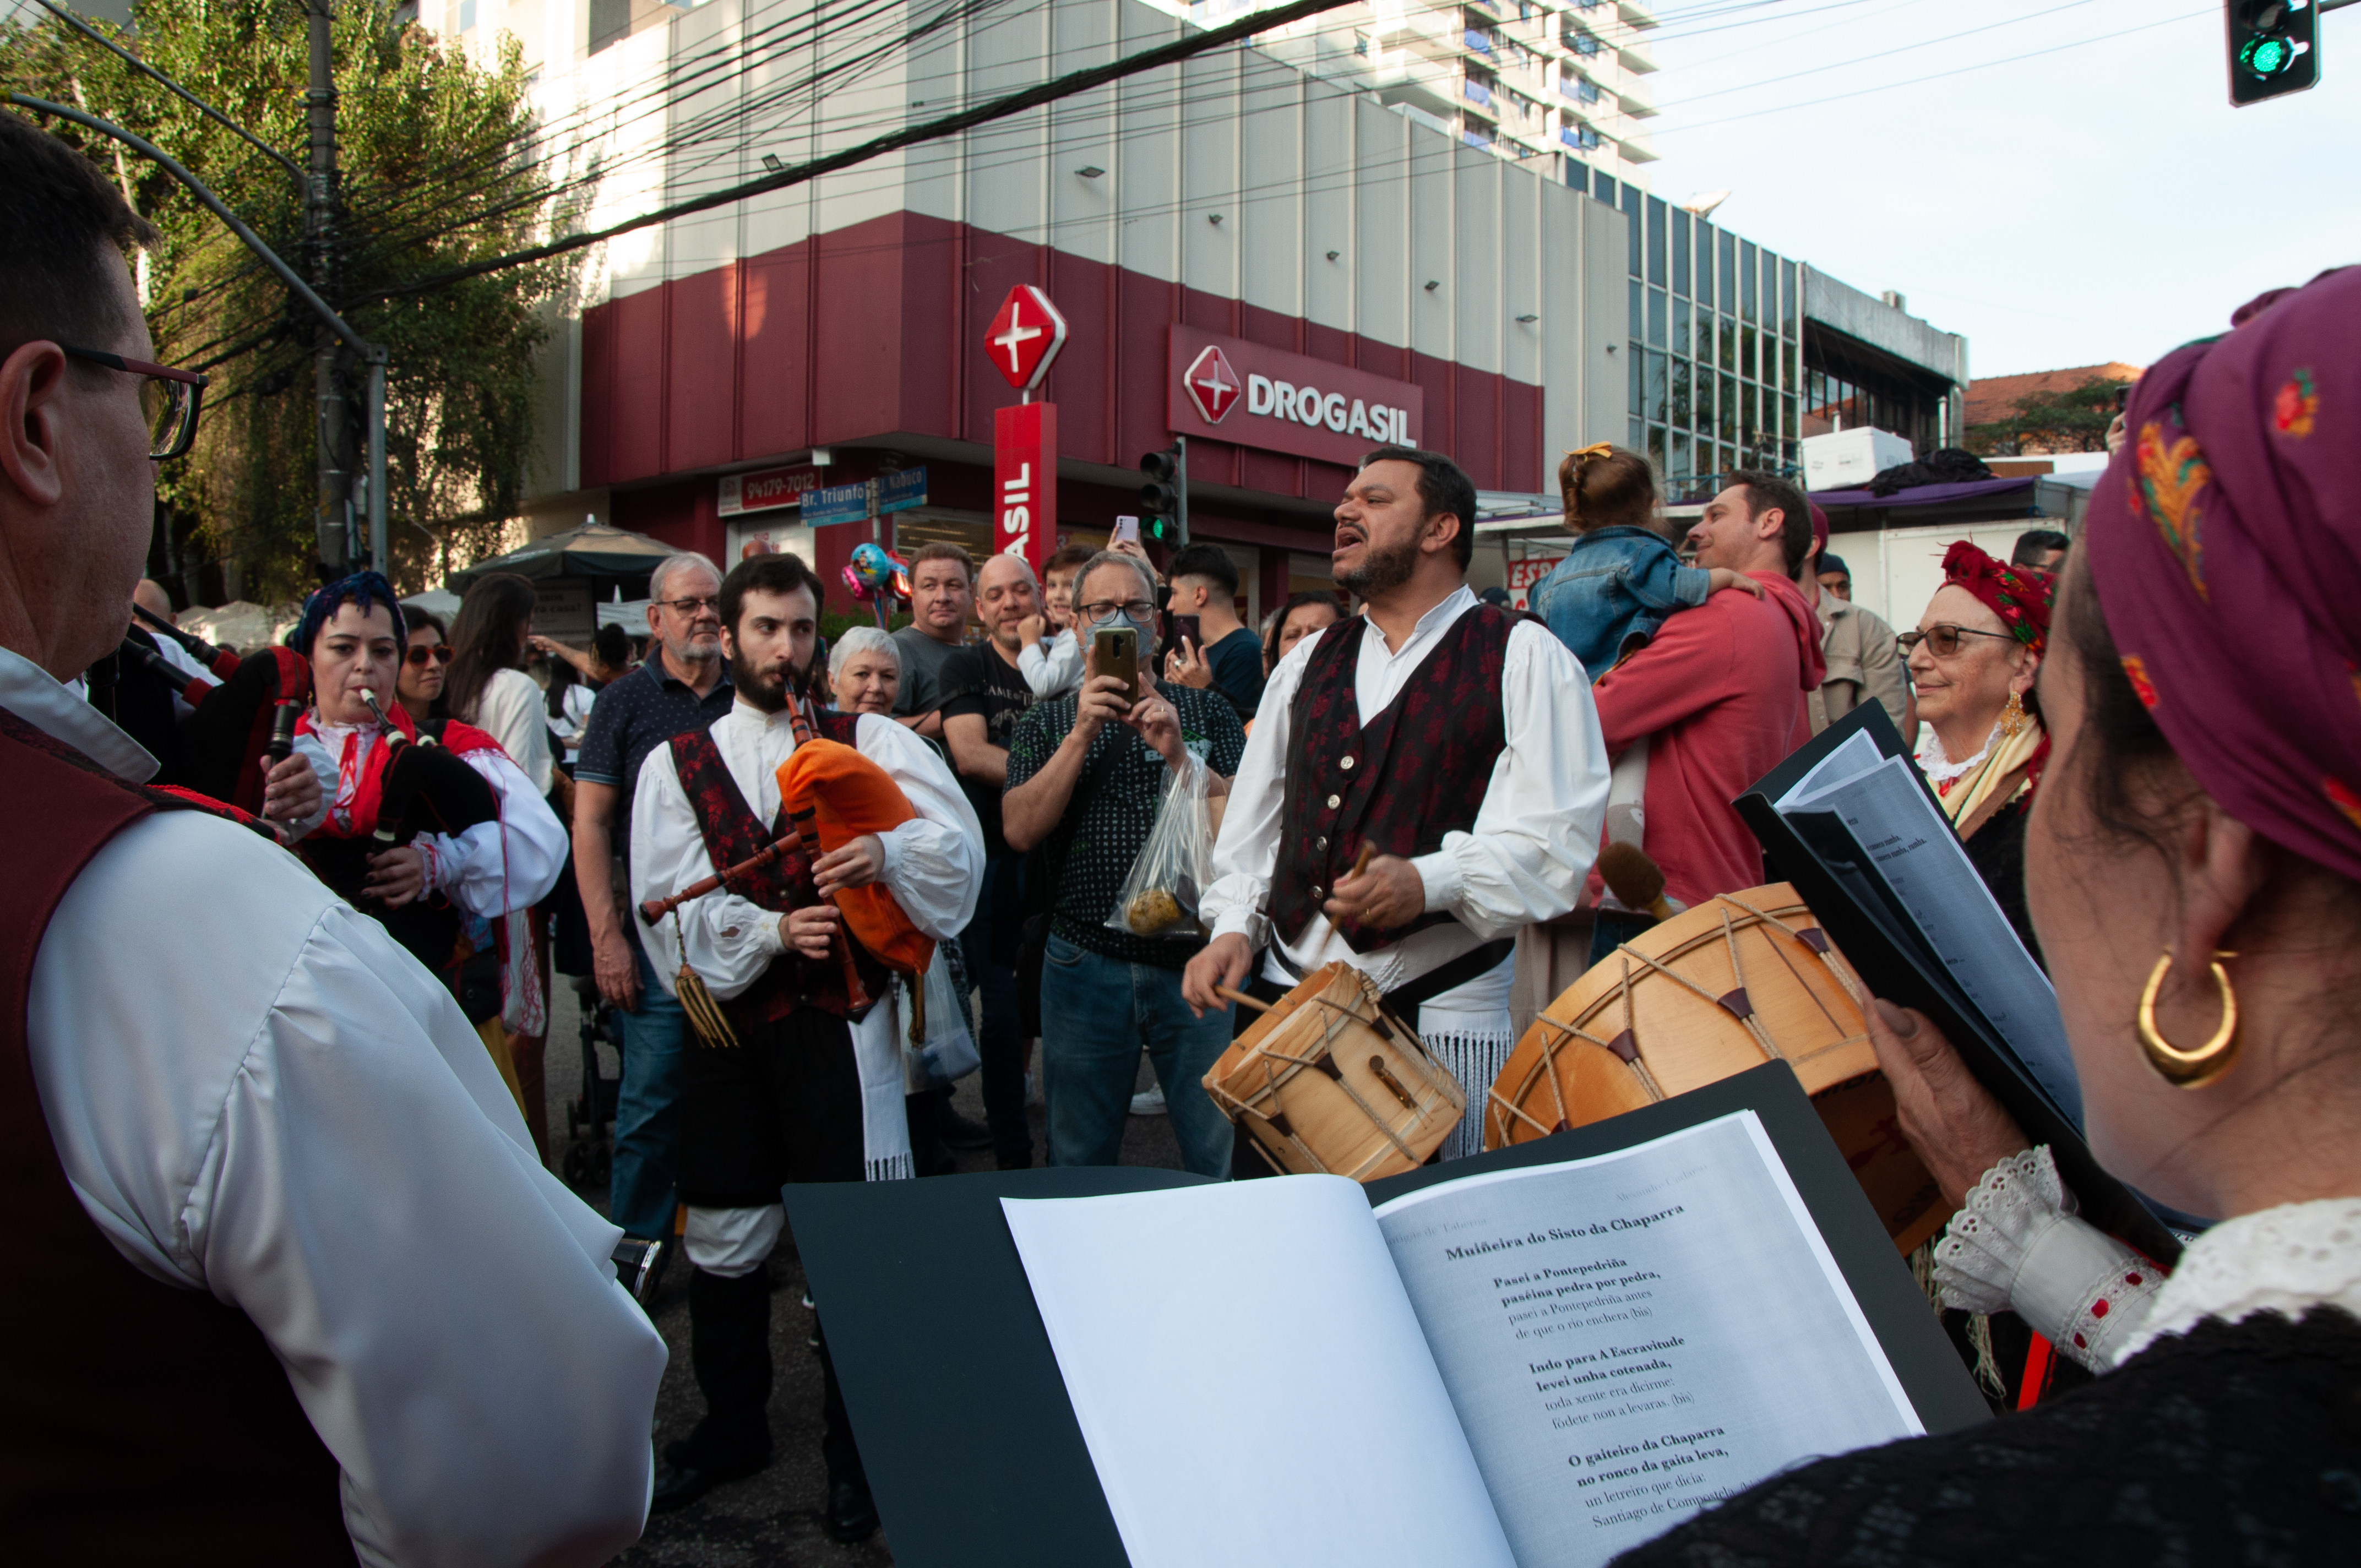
515	712
1534	836
266	1098
934	862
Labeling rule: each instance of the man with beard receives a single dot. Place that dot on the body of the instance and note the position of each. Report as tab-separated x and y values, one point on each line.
1456	740
813	1089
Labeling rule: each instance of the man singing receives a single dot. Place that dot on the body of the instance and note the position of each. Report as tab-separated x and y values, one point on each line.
1456	740
813	1091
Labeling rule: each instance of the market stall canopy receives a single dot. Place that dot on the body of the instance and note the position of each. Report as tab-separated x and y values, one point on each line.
240	624
434	601
1972	501
594	550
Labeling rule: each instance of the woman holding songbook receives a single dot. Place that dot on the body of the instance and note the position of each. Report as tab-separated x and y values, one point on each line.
2193	866
1973	664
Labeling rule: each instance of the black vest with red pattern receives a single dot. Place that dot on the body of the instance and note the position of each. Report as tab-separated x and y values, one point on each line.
733	834
139	1423
1401	782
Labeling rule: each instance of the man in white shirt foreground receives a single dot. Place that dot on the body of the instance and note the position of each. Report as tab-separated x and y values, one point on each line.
302	1293
813	1088
1456	740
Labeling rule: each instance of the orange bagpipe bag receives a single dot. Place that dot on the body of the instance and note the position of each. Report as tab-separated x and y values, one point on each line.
848	795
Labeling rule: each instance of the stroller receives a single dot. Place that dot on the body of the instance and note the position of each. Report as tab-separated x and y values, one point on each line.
590	1114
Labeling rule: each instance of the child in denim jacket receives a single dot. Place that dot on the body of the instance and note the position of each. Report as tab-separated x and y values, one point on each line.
1621	579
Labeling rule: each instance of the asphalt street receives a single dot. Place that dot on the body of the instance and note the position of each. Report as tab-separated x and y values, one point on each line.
773	1518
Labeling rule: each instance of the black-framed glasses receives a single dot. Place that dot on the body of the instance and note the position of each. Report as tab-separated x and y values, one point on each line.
691	607
167	399
1139	612
1943	640
417	654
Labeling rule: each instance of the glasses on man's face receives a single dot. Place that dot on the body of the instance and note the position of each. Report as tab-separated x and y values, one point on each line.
1943	640
167	399
689	610
1137	610
418	657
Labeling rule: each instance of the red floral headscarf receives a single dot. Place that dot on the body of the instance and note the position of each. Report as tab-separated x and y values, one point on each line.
2020	595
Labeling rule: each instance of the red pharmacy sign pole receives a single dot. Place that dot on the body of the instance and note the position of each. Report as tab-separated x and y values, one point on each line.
1022	342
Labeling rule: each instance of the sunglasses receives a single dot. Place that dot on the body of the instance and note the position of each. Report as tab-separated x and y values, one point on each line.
1943	641
167	399
416	657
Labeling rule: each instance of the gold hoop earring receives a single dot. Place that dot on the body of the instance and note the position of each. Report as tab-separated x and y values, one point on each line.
2189	1069
2011	718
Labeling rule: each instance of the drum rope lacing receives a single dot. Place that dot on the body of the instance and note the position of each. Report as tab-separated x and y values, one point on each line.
1325	1059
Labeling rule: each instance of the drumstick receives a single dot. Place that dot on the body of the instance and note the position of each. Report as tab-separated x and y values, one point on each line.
1361	861
1226	994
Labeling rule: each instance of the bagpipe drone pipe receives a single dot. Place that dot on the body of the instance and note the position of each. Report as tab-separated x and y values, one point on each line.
243	717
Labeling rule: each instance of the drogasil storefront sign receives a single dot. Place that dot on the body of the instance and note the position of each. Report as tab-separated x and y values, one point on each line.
1225	389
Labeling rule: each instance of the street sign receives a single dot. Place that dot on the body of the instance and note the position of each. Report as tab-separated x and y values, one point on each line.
1025	482
837	503
900	490
1023	339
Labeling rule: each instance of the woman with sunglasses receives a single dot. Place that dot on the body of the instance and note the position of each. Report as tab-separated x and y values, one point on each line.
424	664
1971	664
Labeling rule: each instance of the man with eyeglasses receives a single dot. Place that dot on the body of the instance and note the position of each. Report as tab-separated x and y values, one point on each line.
305	1293
683	685
1086	775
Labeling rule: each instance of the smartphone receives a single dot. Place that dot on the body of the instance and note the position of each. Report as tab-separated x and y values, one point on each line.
1188	627
1117	650
1126	530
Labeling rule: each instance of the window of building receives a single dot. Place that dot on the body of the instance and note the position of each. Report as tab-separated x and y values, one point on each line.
1659	388
1681	377
1746	352
1681	327
1725	297
1656	241
1749	304
1679	466
1680	252
1639	380
1655	318
1632	210
466	15
1791	306
1726	419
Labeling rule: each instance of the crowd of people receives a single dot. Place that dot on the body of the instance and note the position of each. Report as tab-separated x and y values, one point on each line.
312	1292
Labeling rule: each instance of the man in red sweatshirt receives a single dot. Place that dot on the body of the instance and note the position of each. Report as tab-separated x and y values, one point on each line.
1719	696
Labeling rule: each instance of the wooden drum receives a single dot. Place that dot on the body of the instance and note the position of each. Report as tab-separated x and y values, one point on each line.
1745	979
1330	1080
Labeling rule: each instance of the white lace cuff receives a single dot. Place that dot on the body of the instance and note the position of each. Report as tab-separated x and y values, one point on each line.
2017	1246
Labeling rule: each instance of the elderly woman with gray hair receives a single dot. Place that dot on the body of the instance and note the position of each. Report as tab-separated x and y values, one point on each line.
864	671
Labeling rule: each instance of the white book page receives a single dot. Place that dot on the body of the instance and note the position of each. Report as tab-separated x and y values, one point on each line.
1250	1381
1856	756
1631	1336
1920	857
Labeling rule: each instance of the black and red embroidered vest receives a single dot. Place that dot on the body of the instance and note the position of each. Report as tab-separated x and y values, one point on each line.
732	834
1414	773
154	1425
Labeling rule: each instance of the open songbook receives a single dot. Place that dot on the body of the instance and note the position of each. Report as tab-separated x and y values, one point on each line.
1537	1363
1850	822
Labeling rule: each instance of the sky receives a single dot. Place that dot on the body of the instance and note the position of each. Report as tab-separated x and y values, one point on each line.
2086	204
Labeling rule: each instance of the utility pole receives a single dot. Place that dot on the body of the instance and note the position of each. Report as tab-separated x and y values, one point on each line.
334	520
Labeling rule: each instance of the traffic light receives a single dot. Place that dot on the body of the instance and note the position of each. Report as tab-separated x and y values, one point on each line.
2274	48
1164	499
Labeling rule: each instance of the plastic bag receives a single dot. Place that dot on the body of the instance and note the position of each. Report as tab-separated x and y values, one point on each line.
1158	898
945	1052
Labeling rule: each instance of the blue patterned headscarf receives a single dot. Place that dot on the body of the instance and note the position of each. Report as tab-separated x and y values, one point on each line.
363	590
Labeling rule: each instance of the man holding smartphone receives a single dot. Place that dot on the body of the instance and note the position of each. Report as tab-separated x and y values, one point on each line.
1086	775
1212	649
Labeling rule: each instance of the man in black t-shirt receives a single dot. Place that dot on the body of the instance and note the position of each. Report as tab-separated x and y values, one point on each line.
1227	657
983	695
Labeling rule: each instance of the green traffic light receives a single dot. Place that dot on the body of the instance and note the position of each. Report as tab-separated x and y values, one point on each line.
2266	57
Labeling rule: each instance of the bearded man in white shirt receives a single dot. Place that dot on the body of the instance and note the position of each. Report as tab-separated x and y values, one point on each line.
814	1089
1456	740
305	1294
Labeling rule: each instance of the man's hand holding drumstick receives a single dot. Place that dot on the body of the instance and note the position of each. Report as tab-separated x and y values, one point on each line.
1381	891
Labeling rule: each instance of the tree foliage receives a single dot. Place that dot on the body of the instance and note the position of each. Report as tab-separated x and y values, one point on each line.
437	166
2071	421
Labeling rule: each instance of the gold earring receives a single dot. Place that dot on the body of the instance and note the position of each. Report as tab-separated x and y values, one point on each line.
2011	718
2189	1069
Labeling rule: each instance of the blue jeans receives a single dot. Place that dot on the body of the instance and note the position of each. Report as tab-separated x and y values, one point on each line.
647	1110
1003	1045
1096	1012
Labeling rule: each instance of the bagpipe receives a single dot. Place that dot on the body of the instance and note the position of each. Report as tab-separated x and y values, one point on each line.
829	795
422	786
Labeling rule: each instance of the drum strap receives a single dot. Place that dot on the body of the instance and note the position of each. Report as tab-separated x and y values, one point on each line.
1407	996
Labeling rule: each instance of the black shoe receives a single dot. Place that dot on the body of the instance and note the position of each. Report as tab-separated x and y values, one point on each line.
959	1133
1016	1161
851	1514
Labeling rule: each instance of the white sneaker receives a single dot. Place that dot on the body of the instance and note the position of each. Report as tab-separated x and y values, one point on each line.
1148	1102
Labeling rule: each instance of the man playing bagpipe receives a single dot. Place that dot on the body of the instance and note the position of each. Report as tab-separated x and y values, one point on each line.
796	1074
432	829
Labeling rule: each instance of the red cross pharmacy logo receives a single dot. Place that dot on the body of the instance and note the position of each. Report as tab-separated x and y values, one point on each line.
1213	386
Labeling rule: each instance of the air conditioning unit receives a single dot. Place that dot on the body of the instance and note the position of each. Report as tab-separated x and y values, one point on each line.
1849	459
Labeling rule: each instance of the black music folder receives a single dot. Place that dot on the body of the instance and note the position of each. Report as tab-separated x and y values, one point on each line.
1917	923
971	1437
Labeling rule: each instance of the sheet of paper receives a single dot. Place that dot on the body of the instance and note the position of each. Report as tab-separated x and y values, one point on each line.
1250	1379
1630	1337
1919	856
1857	755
